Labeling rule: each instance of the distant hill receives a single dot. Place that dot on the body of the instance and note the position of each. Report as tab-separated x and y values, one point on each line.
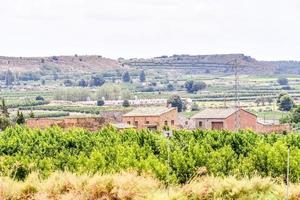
58	63
219	63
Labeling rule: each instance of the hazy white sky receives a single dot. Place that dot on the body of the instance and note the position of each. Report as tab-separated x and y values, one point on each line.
264	29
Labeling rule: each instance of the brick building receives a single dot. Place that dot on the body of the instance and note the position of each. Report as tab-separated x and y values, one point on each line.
226	118
154	118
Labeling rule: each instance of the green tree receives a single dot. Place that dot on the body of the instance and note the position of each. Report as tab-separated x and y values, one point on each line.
126	77
82	83
176	101
286	103
68	83
195	107
31	114
9	78
170	87
97	81
4	109
142	76
39	98
100	102
293	117
126	103
279	96
20	118
4	122
192	86
282	81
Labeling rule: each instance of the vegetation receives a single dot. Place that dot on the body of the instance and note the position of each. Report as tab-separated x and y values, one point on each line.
20	118
126	77
126	103
195	107
285	102
39	98
222	153
4	122
176	101
4	109
192	86
282	81
31	114
9	78
97	81
74	94
4	116
100	102
142	76
130	185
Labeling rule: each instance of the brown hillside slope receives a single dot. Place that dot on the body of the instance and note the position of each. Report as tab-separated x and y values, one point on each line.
218	63
61	63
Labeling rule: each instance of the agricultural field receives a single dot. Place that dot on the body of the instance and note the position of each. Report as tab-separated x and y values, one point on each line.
222	153
63	93
134	164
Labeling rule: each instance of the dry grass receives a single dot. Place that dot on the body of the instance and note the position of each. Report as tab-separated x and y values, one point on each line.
130	186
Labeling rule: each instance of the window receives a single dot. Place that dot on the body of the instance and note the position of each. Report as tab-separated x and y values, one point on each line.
147	122
186	122
166	123
172	122
136	123
200	124
128	122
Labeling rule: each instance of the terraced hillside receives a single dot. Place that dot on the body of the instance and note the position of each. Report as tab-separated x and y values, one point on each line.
219	63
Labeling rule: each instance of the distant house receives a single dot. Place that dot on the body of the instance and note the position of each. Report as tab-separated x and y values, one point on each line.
224	118
230	118
154	118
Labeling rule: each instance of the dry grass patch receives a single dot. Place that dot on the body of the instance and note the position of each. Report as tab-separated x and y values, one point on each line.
131	186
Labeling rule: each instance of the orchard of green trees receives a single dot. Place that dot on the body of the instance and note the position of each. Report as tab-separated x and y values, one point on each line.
222	153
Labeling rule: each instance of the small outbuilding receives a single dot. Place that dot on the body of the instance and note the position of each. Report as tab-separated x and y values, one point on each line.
232	118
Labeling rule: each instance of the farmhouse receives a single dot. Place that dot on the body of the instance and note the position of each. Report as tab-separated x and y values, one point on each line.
154	118
226	118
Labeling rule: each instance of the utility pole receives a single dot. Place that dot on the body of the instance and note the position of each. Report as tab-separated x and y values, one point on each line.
168	134
287	173
236	66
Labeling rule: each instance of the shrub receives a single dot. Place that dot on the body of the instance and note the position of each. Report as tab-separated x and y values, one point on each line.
100	102
282	81
39	98
126	103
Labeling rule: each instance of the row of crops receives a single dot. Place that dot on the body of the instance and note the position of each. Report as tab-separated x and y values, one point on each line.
222	153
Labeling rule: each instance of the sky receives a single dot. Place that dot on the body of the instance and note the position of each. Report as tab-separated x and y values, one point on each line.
263	29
